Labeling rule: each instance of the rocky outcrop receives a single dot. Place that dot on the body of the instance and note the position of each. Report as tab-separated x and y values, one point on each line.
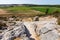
19	30
37	30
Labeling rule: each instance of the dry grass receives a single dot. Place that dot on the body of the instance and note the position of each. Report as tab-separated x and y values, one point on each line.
27	19
17	38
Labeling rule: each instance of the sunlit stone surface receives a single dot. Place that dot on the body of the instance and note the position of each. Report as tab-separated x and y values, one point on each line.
37	30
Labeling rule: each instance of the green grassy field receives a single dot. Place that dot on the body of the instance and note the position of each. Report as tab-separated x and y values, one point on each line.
29	10
26	9
50	9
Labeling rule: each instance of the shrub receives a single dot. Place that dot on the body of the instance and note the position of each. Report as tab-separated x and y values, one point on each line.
58	21
56	13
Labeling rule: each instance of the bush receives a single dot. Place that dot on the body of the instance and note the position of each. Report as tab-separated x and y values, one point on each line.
56	14
58	21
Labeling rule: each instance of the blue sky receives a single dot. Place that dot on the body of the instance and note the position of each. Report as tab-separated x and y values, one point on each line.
30	2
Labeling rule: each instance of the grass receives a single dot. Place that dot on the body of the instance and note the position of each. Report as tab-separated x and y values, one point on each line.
43	9
28	10
25	9
18	9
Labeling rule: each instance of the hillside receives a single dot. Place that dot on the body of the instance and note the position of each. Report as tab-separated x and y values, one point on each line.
29	22
31	10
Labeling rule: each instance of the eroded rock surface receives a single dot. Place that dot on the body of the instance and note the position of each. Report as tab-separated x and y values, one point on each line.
37	30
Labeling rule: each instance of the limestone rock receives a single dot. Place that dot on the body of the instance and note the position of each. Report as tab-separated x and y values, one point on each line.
52	35
15	32
37	30
36	18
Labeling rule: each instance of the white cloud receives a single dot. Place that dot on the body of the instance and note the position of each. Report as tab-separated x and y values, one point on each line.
29	1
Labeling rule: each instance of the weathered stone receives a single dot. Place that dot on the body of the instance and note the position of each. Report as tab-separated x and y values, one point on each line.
36	18
51	35
15	32
38	30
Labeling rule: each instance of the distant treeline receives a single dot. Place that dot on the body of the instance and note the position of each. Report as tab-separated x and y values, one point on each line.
28	5
43	5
